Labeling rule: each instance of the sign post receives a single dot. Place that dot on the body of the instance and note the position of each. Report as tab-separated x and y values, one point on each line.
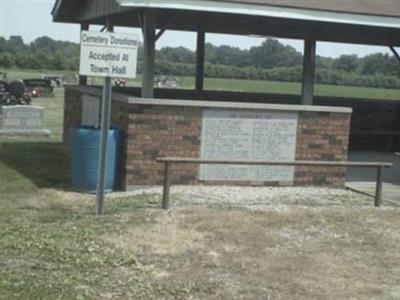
105	125
108	55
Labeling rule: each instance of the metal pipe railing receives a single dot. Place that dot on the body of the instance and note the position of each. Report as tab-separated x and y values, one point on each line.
168	161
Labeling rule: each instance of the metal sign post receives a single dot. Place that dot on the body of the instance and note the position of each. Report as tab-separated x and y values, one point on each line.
105	125
104	128
108	55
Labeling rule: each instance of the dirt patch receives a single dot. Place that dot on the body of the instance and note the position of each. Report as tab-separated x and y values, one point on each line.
168	235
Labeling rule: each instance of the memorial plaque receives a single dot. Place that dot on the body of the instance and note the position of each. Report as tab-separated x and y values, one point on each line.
22	117
91	111
248	135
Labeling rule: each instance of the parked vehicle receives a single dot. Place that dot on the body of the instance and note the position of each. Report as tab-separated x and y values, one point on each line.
55	80
120	82
39	87
166	82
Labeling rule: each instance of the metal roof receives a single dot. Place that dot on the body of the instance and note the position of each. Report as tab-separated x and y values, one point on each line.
375	22
260	8
388	8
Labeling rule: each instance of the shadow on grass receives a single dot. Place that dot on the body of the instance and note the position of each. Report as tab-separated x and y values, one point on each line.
45	164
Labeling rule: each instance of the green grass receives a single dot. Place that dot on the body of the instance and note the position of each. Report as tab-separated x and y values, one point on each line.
54	113
50	249
27	164
295	88
291	88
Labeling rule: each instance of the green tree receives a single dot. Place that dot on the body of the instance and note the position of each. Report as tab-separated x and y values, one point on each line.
233	56
44	45
377	63
59	61
15	44
6	60
179	54
44	61
347	63
3	43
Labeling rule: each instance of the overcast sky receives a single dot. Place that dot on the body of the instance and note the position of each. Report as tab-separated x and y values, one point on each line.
32	19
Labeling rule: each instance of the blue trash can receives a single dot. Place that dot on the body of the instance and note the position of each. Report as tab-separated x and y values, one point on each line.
85	147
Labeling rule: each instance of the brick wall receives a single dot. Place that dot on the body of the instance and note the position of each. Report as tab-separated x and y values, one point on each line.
150	131
369	117
157	131
322	136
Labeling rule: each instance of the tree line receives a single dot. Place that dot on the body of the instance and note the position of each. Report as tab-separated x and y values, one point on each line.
42	53
278	62
271	60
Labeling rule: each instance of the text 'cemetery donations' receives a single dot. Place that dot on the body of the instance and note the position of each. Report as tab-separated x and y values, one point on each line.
107	54
248	135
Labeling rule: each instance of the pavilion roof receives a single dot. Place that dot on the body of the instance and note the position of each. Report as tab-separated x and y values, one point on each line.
389	8
375	22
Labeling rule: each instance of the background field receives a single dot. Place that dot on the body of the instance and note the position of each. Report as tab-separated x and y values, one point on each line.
241	85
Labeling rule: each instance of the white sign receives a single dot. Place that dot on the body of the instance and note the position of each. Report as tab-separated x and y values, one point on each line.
248	135
107	54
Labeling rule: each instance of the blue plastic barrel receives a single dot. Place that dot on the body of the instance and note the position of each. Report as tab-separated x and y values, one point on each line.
85	147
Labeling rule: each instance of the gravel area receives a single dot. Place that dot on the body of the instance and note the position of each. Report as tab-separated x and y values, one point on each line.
254	197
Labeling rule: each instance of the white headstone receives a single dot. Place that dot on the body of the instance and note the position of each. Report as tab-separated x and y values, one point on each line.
22	117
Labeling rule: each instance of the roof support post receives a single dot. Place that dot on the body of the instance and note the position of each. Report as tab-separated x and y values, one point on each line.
395	53
200	56
160	33
149	45
83	79
307	97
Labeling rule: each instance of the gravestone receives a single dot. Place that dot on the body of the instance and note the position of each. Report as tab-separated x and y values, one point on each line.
22	120
248	135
